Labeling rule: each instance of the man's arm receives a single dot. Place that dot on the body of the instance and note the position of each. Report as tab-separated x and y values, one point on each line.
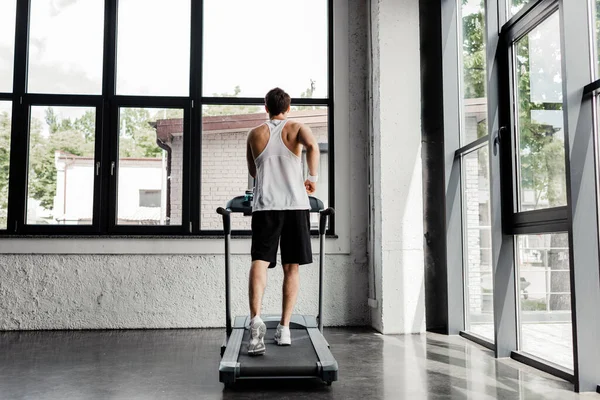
250	157
307	139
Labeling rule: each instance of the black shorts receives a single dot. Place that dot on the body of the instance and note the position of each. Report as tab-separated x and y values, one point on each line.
291	226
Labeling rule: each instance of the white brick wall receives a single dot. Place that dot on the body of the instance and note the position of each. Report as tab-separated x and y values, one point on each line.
176	179
225	175
476	197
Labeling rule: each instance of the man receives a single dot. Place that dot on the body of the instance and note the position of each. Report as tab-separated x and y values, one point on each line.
280	210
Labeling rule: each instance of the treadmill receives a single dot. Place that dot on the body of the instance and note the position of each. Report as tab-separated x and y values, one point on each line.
308	356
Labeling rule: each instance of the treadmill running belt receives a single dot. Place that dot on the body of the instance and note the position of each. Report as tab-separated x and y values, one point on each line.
299	359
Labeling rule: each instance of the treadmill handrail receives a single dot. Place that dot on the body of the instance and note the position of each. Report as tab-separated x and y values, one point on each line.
227	230
323	214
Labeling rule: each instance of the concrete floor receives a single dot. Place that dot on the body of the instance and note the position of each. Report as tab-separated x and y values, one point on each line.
182	364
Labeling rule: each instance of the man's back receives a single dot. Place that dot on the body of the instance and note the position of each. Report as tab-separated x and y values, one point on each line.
276	153
258	138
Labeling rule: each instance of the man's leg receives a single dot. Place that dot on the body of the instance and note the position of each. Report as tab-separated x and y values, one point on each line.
256	288
257	285
291	284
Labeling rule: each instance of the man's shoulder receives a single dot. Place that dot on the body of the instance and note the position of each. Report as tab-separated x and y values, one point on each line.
262	128
294	125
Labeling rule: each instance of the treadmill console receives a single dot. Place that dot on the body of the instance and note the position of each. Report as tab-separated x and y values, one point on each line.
243	204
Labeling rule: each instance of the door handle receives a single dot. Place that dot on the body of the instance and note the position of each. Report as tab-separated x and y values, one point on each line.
498	138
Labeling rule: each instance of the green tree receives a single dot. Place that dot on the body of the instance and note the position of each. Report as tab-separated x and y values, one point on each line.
230	109
307	94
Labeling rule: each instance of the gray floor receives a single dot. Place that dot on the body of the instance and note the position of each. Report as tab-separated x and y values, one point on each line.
182	364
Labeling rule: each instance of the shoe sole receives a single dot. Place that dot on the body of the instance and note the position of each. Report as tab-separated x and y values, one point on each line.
262	331
279	343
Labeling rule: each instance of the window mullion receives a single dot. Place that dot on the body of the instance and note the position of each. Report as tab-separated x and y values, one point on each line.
106	198
18	151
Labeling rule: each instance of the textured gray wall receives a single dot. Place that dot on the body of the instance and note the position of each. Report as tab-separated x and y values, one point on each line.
80	286
131	291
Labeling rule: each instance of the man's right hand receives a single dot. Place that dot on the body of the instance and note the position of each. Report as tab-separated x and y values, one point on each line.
311	187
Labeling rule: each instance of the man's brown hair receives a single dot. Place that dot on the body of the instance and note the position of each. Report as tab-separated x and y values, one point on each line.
277	101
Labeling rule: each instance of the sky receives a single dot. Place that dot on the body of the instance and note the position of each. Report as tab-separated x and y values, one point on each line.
256	45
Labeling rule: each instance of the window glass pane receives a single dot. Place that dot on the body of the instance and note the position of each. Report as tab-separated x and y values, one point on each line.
478	259
7	43
224	169
61	165
516	5
66	42
5	129
541	158
545	297
596	11
150	169
474	72
153	47
252	53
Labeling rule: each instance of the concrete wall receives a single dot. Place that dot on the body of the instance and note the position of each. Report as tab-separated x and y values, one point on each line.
165	283
397	188
157	291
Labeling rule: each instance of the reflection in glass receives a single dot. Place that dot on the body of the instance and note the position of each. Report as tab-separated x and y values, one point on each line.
236	56
474	72
66	44
224	167
153	47
515	6
542	179
150	168
7	43
545	297
5	129
478	244
60	187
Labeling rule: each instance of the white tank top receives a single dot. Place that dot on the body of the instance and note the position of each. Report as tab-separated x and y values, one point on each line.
279	179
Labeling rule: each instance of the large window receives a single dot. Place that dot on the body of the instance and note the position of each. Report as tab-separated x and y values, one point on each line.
131	117
539	119
529	204
474	166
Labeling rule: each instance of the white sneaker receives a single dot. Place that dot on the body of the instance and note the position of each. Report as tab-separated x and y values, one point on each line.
283	337
258	329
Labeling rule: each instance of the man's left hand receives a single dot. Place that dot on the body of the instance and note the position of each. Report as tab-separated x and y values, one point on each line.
311	187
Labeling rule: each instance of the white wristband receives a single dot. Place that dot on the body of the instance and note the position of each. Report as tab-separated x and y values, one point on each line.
313	178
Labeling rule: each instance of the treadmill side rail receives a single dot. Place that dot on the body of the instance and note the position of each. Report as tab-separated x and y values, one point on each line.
229	368
328	367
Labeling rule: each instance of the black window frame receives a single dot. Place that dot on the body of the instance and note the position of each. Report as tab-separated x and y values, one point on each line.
107	107
516	222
